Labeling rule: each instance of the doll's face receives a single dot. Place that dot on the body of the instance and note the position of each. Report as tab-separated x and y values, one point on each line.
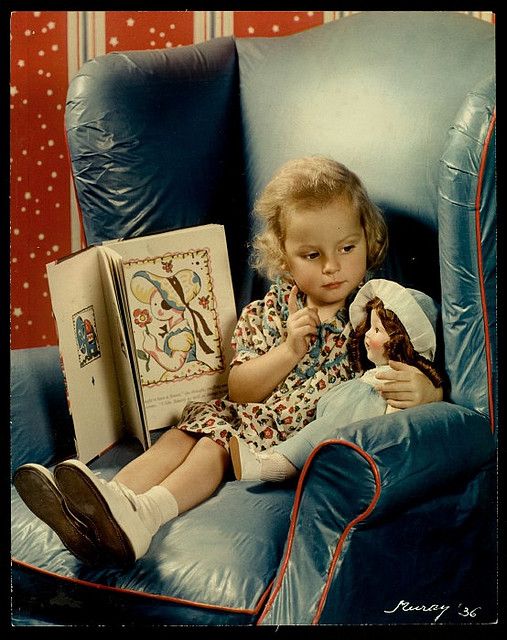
375	339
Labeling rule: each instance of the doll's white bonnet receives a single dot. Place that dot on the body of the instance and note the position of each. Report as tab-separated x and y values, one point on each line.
416	311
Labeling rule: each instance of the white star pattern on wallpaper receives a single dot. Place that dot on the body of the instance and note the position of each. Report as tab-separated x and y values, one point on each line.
117	39
39	169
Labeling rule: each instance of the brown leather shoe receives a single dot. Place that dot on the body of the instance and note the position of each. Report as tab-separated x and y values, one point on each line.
111	508
38	490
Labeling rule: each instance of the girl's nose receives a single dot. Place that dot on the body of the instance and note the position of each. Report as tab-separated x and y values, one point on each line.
331	265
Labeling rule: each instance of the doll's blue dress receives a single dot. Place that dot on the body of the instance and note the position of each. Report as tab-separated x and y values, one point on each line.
348	402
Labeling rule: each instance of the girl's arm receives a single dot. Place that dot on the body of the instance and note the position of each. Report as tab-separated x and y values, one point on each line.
254	380
405	386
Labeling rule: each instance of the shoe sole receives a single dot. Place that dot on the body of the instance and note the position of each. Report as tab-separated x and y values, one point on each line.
37	489
235	457
87	503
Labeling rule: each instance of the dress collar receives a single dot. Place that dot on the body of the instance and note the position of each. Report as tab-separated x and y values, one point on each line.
369	375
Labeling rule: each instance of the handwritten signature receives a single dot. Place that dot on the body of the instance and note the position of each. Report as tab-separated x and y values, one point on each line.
440	609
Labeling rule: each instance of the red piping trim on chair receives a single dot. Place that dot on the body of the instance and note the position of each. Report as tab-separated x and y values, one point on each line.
343	537
478	196
348	528
151	596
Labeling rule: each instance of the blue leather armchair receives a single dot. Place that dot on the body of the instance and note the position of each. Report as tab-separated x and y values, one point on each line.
394	522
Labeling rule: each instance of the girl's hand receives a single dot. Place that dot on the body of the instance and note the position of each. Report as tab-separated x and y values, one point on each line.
301	325
255	379
405	386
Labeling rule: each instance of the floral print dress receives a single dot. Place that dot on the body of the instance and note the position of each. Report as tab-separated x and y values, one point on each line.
292	404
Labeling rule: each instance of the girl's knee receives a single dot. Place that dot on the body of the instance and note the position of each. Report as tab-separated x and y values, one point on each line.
207	444
174	436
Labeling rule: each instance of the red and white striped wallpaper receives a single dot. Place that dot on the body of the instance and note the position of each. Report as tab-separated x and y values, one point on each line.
47	48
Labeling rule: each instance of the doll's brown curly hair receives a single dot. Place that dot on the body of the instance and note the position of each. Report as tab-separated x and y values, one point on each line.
399	347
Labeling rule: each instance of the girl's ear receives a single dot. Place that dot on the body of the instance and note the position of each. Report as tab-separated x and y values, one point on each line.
284	263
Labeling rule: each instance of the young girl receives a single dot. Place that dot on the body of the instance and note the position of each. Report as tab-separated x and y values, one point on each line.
390	323
321	233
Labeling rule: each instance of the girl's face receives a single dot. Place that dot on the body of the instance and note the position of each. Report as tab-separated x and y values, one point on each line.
375	340
325	250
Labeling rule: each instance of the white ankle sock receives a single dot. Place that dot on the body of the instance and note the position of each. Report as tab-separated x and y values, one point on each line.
155	507
276	468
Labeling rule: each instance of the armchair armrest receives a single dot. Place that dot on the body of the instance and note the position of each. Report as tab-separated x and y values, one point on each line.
420	451
41	426
375	469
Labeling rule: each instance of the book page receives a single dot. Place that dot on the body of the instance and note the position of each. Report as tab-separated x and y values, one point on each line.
85	346
124	357
182	313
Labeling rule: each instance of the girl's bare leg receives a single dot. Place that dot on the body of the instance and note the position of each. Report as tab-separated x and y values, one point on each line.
198	475
179	472
157	462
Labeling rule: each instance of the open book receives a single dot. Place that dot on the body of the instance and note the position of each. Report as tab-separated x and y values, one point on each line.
144	327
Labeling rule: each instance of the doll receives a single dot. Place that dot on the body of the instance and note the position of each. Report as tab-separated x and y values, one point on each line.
389	322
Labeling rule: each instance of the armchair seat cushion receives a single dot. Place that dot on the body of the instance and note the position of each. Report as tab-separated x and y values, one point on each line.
260	552
212	565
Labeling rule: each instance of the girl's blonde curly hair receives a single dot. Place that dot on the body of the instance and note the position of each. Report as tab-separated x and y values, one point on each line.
311	182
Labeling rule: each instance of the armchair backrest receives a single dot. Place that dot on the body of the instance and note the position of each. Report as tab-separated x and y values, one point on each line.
387	94
378	91
164	139
155	142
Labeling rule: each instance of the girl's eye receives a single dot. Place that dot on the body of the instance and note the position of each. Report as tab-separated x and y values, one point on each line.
347	248
312	256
